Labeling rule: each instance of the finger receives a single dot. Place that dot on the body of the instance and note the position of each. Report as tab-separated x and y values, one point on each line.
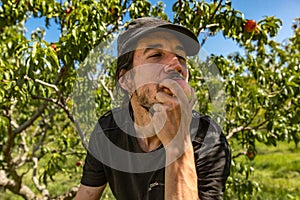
176	89
163	98
193	97
159	117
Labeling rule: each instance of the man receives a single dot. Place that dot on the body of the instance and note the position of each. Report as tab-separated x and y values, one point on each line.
156	146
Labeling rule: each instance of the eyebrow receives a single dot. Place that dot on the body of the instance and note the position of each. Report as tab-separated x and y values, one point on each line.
160	46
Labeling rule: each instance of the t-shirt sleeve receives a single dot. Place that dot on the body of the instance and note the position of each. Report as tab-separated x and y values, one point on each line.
93	172
212	158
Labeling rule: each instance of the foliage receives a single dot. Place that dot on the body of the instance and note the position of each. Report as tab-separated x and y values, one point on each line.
276	171
41	131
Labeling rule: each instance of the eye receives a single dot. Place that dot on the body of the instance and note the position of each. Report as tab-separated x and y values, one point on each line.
155	55
182	59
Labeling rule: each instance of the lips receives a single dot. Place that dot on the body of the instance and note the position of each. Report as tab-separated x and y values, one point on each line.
183	84
175	76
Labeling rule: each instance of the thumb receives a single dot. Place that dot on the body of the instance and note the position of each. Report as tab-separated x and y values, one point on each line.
159	117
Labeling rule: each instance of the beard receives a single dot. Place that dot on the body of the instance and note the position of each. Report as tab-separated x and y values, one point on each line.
146	96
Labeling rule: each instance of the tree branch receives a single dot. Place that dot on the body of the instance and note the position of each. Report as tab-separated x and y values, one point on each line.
43	135
30	121
45	99
21	158
8	155
243	128
42	108
69	195
47	84
239	154
7	183
40	142
107	90
236	130
35	180
70	116
207	35
211	17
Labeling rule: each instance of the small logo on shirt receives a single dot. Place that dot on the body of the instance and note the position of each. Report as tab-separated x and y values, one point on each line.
155	184
196	115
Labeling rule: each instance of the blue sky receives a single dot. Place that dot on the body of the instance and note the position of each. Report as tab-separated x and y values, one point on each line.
286	10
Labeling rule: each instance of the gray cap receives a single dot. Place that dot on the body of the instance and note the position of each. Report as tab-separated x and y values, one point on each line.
140	26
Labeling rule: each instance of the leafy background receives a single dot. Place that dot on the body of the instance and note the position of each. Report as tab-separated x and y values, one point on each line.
40	141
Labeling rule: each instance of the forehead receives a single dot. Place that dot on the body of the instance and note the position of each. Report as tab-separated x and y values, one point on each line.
167	41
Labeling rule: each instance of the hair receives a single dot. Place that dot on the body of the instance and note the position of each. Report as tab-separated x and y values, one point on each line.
124	64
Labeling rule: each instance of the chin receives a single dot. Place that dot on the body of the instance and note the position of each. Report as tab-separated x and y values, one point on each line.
146	100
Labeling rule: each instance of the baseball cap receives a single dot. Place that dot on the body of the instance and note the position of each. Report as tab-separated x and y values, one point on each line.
141	26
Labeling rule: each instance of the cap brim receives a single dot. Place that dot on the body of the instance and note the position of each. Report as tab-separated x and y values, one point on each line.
186	37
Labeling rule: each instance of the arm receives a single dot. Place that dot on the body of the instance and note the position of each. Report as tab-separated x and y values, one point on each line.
93	180
89	193
180	171
181	177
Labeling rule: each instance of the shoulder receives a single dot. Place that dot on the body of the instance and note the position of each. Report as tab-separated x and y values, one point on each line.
203	126
114	119
207	136
109	133
212	156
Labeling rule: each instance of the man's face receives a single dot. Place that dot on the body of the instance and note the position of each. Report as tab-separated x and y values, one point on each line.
158	56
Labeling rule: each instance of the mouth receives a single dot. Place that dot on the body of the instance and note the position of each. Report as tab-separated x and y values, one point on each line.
173	76
166	90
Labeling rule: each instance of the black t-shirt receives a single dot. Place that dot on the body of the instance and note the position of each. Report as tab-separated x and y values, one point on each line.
114	156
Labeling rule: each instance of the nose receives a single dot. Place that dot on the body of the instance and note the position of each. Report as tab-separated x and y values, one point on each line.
175	65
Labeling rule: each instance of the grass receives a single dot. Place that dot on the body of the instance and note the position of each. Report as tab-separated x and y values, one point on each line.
277	169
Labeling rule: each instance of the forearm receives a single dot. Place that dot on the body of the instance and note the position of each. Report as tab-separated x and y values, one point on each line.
181	176
89	193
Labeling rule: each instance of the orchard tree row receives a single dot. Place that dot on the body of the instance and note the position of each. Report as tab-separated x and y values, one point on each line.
41	144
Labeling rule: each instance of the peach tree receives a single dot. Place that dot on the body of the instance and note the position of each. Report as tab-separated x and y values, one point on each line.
40	141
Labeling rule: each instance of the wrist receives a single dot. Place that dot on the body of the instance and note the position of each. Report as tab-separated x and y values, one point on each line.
175	151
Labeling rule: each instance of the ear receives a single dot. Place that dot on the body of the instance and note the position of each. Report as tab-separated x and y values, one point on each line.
126	81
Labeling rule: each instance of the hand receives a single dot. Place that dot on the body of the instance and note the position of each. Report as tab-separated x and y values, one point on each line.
172	115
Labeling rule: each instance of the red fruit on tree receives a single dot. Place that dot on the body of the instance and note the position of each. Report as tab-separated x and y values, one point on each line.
53	47
68	10
112	10
250	26
78	163
200	12
250	154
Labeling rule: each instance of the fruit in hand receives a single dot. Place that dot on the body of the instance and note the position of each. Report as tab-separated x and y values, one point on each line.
184	85
250	26
186	88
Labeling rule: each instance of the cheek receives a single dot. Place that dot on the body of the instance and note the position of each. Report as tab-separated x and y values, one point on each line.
146	74
148	90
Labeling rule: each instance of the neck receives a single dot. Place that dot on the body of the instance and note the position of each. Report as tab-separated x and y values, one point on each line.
146	136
